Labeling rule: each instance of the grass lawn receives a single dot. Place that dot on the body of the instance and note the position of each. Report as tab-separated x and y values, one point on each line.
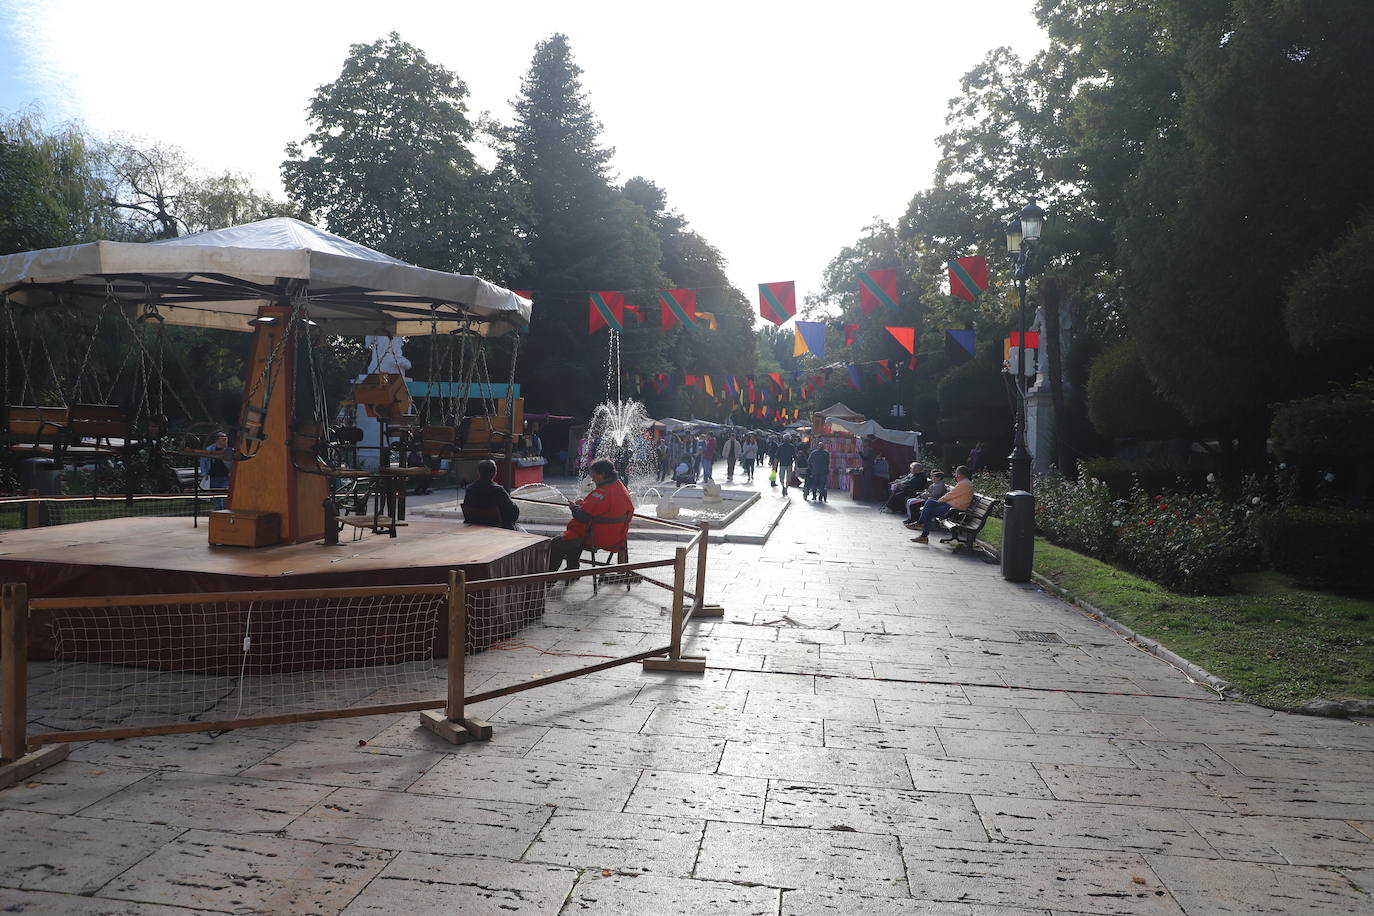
1281	645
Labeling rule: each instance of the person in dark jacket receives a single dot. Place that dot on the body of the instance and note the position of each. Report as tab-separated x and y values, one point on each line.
486	493
817	471
783	456
908	487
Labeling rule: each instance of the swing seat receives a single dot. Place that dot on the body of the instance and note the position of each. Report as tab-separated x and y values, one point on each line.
38	432
98	430
307	448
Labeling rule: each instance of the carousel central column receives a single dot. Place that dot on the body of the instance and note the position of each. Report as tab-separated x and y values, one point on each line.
268	482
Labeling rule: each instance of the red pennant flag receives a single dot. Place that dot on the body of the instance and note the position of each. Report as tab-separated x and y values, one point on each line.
605	309
778	301
635	311
968	277
524	293
877	287
1032	339
777	379
678	305
884	372
851	333
690	381
906	337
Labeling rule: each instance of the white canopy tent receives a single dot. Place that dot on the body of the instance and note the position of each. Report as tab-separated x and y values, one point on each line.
841	411
219	279
872	428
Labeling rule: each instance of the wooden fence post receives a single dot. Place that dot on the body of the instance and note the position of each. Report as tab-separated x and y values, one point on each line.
16	762
700	608
31	510
452	725
676	661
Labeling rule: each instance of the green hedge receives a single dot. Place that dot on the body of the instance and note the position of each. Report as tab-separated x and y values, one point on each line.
1321	547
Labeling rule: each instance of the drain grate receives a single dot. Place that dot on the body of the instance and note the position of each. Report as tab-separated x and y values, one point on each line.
1039	636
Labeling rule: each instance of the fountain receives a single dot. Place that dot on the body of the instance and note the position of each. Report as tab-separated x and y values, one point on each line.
617	435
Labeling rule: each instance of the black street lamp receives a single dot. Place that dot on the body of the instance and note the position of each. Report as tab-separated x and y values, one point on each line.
1023	232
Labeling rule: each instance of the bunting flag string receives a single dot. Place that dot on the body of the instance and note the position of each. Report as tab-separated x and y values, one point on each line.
677	305
810	338
959	346
906	337
605	309
778	301
968	277
877	288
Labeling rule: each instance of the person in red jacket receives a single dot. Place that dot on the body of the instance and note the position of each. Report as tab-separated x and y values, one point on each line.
609	500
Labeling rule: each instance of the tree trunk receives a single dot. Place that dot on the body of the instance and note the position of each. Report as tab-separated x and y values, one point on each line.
1052	293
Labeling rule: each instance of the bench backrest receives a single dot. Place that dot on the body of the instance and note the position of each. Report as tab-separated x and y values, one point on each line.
98	421
35	422
981	505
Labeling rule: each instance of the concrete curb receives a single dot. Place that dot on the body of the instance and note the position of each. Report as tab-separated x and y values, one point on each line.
1195	672
1338	709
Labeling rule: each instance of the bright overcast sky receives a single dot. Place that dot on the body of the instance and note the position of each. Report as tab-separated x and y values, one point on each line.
779	132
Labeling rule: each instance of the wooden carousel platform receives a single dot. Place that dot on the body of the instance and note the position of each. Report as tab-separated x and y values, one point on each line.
131	556
152	556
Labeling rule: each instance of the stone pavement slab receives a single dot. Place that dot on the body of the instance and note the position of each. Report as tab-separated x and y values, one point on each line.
421	823
1226	888
930	815
1084	825
619	842
813	903
421	884
44	903
262	874
720	798
77	855
794	857
534	782
1030	876
634	895
210	802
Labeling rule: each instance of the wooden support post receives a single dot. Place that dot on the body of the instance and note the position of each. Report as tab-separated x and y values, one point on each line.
31	510
676	661
16	762
451	724
701	608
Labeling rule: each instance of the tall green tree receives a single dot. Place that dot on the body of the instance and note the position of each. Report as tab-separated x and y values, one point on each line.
388	164
1263	174
584	235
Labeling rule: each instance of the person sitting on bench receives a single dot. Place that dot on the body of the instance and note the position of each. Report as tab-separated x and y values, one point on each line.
610	500
961	497
913	506
485	493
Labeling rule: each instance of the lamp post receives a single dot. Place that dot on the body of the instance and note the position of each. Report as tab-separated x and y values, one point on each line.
1018	517
1023	232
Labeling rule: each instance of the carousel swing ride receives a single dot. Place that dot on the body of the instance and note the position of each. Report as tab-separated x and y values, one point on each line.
297	472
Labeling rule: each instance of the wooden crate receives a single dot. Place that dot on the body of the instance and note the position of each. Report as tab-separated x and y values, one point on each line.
240	528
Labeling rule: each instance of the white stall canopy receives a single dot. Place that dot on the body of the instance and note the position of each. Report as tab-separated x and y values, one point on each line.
219	279
872	428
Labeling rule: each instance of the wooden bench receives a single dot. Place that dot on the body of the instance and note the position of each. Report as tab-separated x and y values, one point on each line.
36	431
963	525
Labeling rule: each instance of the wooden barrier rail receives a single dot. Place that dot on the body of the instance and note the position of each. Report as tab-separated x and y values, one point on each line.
22	754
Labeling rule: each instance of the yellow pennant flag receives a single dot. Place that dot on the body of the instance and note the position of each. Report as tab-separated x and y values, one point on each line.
799	346
710	392
709	320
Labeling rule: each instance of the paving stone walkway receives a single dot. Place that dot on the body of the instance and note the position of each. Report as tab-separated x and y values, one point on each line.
885	729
